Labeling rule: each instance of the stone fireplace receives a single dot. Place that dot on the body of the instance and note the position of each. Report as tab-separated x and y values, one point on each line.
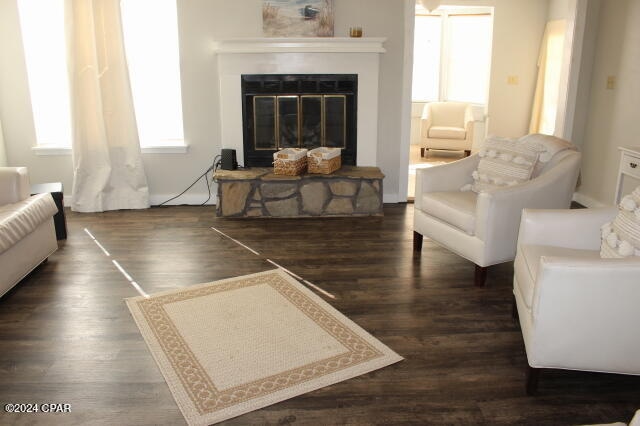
358	57
298	111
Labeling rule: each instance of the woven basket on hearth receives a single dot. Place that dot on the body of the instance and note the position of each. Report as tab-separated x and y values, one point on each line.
290	161
324	160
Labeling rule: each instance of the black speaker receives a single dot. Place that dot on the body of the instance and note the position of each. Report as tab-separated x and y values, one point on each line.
229	161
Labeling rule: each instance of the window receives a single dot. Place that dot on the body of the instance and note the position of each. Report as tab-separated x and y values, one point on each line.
452	55
469	58
151	41
150	30
43	36
426	58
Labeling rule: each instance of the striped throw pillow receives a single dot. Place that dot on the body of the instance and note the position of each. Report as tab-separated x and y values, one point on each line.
621	238
504	162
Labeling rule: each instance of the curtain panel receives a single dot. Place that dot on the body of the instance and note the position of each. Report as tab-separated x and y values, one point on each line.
545	101
108	169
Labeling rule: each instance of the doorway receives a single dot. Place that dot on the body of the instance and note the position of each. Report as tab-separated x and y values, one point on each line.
451	63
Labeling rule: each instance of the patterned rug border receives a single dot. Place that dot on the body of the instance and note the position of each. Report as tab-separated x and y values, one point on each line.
194	391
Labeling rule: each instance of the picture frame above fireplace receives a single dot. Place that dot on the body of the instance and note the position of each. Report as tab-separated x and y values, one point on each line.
297	18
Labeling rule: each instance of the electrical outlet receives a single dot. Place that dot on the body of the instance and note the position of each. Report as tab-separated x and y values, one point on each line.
611	82
512	80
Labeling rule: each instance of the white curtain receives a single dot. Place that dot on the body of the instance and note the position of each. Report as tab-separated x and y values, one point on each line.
108	169
545	101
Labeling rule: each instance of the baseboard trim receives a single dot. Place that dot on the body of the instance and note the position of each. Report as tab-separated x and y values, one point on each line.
186	199
154	200
587	201
392	198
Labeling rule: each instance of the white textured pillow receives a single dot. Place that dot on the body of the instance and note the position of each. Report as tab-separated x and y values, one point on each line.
503	162
621	238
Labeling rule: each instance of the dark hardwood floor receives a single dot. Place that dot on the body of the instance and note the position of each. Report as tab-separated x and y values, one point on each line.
66	335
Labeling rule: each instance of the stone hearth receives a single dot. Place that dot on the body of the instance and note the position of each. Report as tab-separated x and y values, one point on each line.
258	192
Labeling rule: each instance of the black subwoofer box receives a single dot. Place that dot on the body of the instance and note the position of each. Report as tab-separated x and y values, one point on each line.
229	161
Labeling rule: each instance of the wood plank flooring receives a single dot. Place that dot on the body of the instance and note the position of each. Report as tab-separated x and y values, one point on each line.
66	335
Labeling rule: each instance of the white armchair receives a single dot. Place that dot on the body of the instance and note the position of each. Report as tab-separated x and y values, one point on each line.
447	126
483	228
576	310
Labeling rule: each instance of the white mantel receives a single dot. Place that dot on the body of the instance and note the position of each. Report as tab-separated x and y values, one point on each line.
301	45
335	55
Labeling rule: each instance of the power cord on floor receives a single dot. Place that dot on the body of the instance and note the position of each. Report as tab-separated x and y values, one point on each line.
214	166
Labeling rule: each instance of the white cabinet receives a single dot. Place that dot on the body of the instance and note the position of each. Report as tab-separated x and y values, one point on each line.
629	168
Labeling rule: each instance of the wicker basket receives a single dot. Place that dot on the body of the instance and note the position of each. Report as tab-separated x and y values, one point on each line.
290	161
324	160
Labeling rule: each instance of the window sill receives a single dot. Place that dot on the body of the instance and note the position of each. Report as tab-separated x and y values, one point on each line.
44	150
62	150
166	149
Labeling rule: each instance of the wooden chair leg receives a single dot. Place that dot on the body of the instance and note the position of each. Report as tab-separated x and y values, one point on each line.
480	276
421	152
417	241
514	309
533	374
467	152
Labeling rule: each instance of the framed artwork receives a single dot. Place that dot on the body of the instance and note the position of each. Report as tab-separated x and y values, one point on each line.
297	18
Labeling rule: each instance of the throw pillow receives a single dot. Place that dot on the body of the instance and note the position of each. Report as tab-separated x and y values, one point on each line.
621	238
503	162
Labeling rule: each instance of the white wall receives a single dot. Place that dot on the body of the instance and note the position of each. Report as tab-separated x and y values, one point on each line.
558	9
518	29
589	30
416	115
613	114
3	152
383	18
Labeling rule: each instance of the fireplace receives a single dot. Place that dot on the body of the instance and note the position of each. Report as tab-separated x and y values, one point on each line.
298	111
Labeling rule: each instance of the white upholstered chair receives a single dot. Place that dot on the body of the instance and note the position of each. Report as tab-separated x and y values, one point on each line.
483	228
576	310
447	126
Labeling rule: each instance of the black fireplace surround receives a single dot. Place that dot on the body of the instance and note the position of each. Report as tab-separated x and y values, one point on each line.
298	111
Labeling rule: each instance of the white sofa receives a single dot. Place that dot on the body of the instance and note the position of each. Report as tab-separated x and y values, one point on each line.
27	234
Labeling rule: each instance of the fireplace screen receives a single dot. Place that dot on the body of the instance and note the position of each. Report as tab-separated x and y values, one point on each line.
295	111
299	121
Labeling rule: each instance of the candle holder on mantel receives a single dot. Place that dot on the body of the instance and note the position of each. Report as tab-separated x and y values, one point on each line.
355	32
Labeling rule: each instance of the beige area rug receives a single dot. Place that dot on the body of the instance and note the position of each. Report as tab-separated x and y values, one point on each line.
236	345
